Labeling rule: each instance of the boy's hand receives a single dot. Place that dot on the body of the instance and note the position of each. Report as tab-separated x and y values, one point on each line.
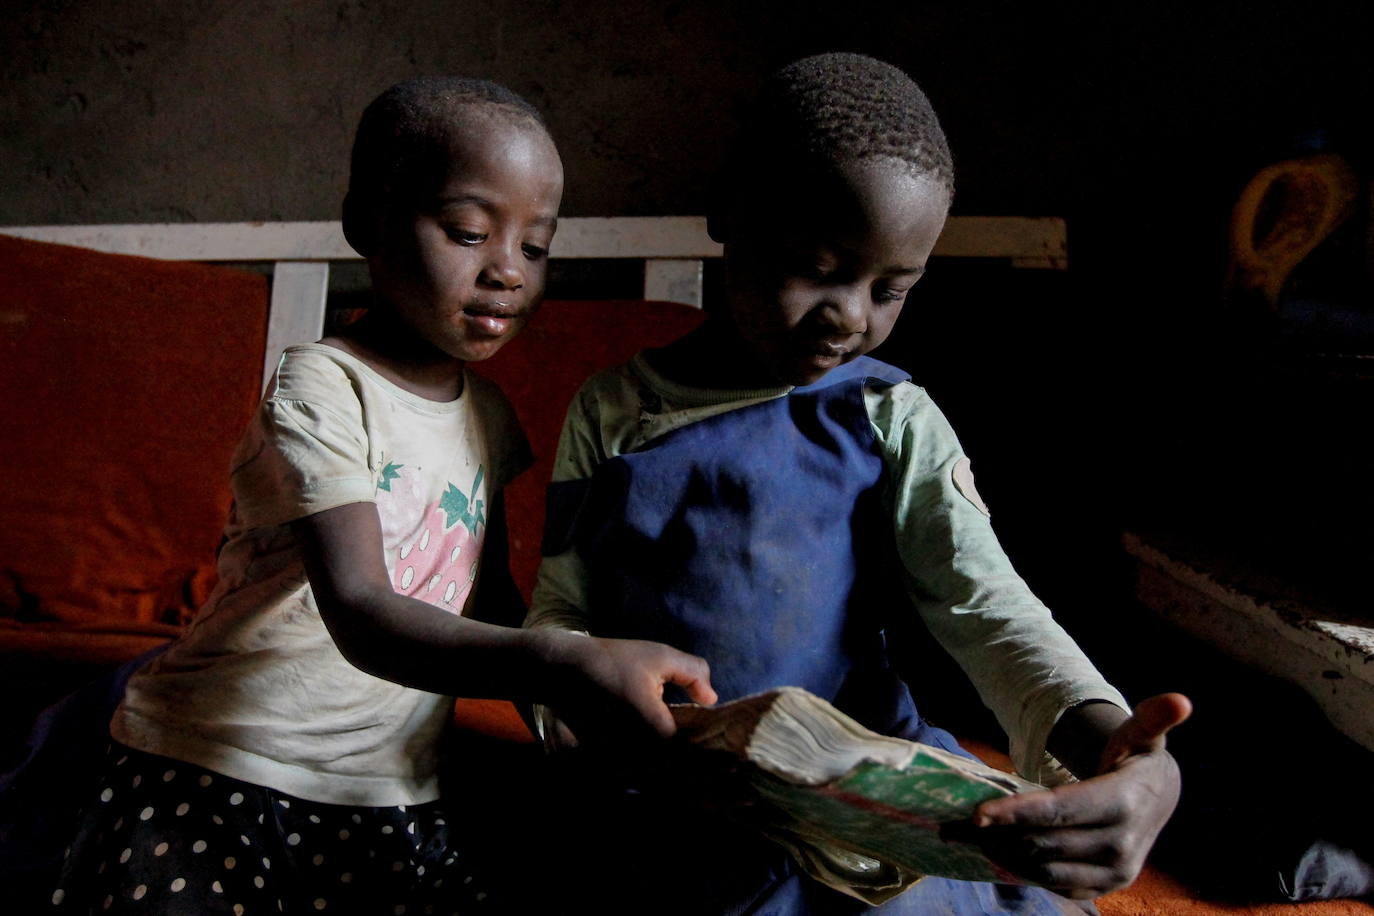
1091	837
612	689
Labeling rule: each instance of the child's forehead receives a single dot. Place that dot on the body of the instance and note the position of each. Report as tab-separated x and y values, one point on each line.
860	194
462	125
470	142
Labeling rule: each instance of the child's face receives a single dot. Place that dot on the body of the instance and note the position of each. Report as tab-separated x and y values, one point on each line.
821	284
464	267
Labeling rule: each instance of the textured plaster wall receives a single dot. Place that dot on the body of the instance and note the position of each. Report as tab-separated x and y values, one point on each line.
243	109
235	109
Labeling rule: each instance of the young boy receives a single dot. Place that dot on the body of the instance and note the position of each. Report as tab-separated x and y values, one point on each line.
747	492
282	755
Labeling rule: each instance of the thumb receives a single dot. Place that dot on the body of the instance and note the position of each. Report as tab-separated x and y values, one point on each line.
1144	731
693	675
687	671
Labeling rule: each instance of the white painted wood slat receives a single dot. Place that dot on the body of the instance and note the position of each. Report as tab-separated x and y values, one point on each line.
1025	240
297	310
671	280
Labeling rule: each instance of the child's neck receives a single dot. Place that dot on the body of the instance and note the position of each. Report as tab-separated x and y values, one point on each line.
712	356
395	352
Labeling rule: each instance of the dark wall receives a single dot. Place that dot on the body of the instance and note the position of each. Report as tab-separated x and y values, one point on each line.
224	109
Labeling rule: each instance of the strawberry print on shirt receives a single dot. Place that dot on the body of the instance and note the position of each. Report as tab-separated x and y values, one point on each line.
436	560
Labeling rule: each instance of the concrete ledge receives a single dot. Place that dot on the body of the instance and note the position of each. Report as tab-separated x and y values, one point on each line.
1329	653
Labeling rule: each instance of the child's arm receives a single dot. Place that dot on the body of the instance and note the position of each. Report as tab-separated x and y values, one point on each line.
560	598
1085	838
560	589
1026	668
595	681
558	602
1091	837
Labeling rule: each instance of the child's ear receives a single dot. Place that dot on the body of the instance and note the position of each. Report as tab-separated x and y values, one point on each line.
360	224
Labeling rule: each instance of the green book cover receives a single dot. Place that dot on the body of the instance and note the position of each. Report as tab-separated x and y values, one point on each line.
858	810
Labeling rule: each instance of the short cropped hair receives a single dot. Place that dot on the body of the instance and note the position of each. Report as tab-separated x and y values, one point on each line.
403	135
823	112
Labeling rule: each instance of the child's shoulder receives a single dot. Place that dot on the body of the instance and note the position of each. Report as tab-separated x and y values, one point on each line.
315	372
903	409
613	385
903	396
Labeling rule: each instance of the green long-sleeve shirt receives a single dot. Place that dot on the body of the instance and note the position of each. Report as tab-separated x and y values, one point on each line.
1024	665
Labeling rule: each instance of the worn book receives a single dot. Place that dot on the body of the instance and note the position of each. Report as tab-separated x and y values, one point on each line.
858	810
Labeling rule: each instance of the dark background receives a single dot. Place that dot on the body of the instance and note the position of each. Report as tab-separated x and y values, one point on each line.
1126	393
1083	396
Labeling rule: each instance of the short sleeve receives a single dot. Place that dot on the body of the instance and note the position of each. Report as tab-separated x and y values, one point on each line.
299	458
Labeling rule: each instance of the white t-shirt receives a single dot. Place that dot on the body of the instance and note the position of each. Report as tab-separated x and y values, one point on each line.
256	688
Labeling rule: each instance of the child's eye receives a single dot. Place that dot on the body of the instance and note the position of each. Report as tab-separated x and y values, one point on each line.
816	271
534	252
889	294
804	264
465	236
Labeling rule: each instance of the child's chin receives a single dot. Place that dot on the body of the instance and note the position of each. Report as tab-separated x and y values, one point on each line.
808	371
477	351
477	348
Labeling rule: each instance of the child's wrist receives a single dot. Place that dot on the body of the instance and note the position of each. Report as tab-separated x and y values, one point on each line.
552	652
1082	732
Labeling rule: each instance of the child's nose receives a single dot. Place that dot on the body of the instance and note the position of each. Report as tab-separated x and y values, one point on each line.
502	271
848	309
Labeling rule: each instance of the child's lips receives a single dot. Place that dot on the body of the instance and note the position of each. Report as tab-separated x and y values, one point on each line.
826	353
491	319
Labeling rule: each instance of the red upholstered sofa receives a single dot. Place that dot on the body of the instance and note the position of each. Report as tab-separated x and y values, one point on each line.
124	383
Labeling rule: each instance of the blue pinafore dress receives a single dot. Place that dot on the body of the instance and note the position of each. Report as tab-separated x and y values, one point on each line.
751	538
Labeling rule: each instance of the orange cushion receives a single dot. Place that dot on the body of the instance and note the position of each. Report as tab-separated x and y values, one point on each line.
493	718
124	385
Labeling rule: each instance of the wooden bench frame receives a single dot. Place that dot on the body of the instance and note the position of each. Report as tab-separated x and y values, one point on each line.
673	249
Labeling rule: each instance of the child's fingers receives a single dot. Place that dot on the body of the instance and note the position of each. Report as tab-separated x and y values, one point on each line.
1087	861
1018	848
1080	804
655	712
1066	859
1144	731
687	671
694	676
1080	880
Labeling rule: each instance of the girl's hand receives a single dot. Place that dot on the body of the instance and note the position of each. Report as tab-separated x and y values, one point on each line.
1091	837
612	689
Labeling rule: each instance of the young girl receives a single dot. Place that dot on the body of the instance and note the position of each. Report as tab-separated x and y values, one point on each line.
282	755
746	493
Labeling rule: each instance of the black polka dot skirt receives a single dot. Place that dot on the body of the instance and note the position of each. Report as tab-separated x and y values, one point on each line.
166	837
